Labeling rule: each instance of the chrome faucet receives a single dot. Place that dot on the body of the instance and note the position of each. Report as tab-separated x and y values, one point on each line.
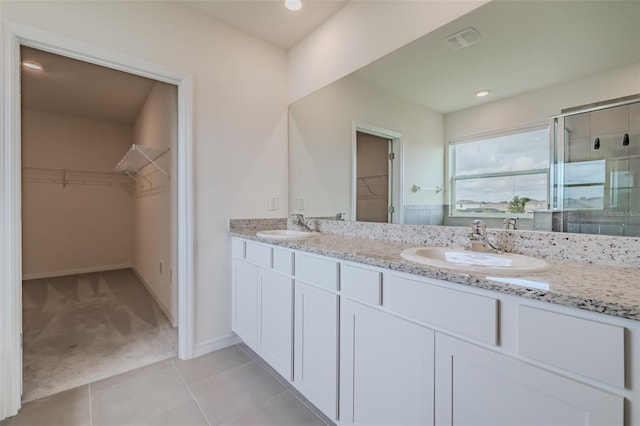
298	219
478	237
510	222
340	216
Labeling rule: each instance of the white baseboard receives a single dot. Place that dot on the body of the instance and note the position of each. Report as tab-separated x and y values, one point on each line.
207	346
87	270
163	308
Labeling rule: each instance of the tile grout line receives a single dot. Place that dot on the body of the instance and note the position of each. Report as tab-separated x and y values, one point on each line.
253	406
191	393
220	372
133	379
288	386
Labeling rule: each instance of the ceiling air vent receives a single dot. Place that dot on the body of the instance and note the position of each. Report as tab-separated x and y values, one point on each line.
463	38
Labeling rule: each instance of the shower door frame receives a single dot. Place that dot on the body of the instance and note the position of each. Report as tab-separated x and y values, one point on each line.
15	35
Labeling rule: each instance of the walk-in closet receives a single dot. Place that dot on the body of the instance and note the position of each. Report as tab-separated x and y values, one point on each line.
98	222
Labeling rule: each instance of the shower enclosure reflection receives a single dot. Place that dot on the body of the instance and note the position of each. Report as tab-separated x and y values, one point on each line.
598	170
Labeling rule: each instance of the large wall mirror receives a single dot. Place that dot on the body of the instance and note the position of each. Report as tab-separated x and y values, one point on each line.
406	139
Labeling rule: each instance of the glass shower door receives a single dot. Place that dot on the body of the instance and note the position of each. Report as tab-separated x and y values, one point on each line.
597	188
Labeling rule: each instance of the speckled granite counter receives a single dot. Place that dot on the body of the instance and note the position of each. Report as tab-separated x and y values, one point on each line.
609	289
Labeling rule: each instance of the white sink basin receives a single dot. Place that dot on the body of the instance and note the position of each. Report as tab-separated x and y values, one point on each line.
472	261
286	234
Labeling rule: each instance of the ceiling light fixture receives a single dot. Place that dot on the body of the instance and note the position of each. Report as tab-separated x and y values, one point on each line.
32	65
482	93
293	4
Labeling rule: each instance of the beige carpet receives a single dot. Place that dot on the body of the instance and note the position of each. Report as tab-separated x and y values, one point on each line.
82	328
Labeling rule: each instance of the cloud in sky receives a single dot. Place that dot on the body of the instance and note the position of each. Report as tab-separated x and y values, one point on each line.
523	151
502	188
511	153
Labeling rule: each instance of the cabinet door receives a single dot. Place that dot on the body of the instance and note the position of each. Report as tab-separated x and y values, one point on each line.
276	321
386	368
475	386
316	347
245	302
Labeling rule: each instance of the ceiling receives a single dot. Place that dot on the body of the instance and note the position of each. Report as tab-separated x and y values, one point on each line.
268	19
525	46
69	86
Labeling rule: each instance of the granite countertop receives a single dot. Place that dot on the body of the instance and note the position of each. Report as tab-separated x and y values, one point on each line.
611	290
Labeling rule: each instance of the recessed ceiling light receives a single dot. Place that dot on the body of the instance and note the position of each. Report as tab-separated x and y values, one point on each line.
32	65
293	4
482	93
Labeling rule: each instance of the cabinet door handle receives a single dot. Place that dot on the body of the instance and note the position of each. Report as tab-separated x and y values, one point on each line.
596	143
625	139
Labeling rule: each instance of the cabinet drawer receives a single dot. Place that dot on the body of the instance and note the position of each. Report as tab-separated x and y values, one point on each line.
361	284
456	311
318	271
283	261
237	248
258	254
589	348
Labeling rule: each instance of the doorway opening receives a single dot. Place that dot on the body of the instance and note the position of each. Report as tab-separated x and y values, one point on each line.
98	222
377	175
15	36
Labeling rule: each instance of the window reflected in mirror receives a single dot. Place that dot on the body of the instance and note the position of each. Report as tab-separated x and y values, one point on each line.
501	175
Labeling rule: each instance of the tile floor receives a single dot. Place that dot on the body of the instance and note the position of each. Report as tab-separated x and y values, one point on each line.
226	387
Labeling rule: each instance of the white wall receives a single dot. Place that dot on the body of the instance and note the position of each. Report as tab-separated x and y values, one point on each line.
538	106
320	133
78	227
361	32
240	104
154	213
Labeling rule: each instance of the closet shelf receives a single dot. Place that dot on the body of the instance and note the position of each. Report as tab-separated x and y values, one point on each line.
139	156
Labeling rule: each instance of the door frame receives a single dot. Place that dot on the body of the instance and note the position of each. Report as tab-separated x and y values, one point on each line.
15	35
398	168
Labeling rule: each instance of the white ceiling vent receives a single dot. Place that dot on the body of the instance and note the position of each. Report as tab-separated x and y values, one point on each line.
463	38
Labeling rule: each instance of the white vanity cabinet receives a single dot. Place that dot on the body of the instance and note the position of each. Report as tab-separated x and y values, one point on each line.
316	332
386	368
245	302
386	362
372	346
477	386
276	321
262	295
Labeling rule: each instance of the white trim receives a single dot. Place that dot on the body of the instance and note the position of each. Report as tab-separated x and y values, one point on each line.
10	229
14	35
215	344
186	215
500	132
163	307
398	171
65	272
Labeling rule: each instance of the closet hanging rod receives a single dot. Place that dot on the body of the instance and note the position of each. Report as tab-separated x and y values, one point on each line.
72	177
63	170
74	182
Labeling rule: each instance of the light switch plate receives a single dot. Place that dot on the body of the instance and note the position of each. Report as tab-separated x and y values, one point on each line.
273	203
301	203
